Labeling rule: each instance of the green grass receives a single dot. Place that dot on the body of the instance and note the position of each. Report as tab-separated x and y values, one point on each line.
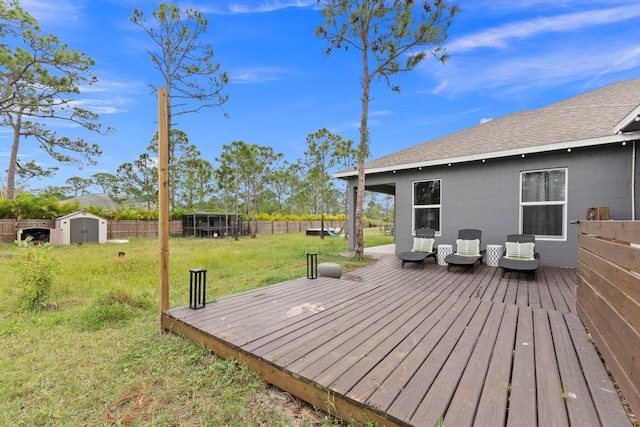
95	356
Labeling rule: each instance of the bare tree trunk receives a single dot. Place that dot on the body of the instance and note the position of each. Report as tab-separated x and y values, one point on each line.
363	150
13	158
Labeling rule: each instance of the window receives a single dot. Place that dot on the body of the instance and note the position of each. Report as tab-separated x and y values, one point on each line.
426	204
543	203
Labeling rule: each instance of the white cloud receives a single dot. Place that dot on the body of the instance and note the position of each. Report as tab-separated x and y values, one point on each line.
253	75
97	106
485	120
59	12
255	7
500	37
541	69
380	113
269	6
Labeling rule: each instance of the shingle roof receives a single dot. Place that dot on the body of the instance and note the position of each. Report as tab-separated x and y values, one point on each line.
95	200
581	120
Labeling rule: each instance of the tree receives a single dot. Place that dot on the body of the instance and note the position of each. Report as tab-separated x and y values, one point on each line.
180	152
319	159
224	178
78	185
107	182
39	78
284	180
191	80
139	180
53	191
250	167
345	157
197	183
230	174
387	34
14	21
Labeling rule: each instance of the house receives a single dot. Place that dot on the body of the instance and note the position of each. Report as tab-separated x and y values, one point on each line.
103	201
531	172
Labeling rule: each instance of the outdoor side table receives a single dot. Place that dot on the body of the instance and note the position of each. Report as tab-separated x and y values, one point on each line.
493	255
443	251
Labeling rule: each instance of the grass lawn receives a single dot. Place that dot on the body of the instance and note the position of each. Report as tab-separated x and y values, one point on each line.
95	356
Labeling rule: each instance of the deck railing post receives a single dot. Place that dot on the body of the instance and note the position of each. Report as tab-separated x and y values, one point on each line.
197	288
312	266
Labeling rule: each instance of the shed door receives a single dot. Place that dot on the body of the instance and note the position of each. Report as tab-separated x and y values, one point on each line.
84	230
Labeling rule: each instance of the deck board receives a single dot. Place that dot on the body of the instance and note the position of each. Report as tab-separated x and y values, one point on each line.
416	346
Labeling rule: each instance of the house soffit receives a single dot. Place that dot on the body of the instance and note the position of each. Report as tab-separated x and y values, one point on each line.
631	122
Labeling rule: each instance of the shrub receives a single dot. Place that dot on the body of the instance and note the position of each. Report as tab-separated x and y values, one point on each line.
35	267
113	308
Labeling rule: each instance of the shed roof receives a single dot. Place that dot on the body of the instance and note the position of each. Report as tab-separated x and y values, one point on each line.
602	116
79	214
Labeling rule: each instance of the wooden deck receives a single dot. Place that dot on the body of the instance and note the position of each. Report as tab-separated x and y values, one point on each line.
419	346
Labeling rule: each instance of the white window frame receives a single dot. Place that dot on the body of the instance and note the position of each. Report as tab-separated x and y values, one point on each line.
563	203
414	206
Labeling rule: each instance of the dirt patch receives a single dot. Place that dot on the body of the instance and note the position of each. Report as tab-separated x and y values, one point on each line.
300	413
131	408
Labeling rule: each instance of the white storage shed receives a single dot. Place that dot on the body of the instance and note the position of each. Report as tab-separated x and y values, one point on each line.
82	227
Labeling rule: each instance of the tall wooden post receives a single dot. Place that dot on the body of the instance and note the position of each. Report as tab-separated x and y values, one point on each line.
163	197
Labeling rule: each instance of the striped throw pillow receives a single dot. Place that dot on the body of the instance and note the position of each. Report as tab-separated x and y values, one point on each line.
468	247
421	244
521	251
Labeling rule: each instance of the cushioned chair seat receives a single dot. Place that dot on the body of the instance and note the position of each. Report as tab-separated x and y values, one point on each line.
515	265
419	257
416	257
528	266
466	261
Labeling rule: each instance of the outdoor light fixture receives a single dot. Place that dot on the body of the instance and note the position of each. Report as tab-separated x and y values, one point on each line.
523	156
197	287
624	143
484	160
312	266
568	150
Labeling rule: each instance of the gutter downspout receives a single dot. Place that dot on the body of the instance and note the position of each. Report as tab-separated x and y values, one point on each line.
633	182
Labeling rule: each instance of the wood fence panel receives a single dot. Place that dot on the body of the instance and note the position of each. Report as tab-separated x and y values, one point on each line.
625	231
137	228
7	230
124	229
608	297
619	253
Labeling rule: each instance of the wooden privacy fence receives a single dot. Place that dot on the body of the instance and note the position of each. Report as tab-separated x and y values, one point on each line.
115	229
140	228
608	297
283	227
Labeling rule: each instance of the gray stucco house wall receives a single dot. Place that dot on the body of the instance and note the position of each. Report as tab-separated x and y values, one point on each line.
483	190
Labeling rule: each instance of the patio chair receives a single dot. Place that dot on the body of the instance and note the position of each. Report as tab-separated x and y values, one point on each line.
520	255
468	251
422	247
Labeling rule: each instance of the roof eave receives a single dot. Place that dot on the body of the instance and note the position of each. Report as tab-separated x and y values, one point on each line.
631	122
497	154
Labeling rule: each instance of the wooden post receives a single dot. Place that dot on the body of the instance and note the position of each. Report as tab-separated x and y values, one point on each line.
163	197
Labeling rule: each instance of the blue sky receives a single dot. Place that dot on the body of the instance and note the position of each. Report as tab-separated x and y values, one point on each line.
505	56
